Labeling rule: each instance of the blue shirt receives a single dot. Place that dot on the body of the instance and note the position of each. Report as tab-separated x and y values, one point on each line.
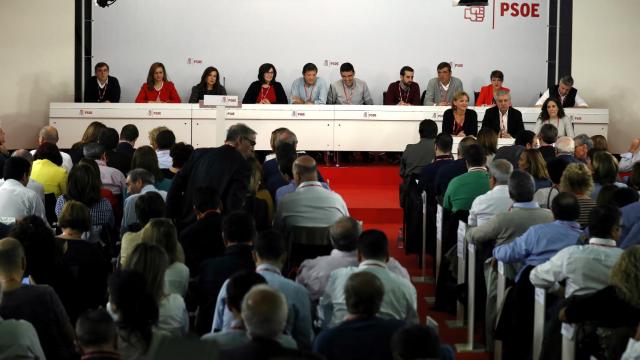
630	216
289	188
539	243
317	93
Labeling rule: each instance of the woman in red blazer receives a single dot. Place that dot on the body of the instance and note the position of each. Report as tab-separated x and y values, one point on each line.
488	93
157	88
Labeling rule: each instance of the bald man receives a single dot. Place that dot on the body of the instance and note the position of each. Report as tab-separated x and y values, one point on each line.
49	134
293	184
310	204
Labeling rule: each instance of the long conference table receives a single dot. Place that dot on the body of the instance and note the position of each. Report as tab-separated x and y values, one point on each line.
318	127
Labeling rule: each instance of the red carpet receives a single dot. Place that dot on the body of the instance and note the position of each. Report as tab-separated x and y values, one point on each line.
371	193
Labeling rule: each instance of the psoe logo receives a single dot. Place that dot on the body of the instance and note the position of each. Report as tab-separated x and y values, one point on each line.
154	113
192	61
474	13
331	63
85	112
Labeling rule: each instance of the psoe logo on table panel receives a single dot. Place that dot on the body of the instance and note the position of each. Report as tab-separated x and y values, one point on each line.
154	113
85	112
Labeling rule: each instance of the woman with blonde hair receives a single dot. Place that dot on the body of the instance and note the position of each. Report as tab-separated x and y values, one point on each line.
531	161
459	120
258	202
577	179
91	135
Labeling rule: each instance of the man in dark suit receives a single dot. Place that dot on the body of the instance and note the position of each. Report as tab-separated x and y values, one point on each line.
102	87
458	167
224	168
109	139
415	156
525	139
128	136
503	119
548	136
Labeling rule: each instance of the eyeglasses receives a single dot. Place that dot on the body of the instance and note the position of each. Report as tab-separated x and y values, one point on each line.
251	142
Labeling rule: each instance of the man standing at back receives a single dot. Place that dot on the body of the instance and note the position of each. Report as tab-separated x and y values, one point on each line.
565	92
224	168
349	90
440	90
404	91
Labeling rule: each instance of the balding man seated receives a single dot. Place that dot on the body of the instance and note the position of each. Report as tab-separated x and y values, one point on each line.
49	134
565	147
310	205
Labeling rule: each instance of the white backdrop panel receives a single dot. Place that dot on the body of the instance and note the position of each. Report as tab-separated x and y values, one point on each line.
377	36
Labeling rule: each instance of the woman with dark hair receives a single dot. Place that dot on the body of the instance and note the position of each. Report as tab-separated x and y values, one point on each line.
459	120
488	93
266	90
47	169
91	135
604	168
180	153
146	158
544	196
600	143
531	161
258	202
157	88
488	139
209	85
136	313
553	113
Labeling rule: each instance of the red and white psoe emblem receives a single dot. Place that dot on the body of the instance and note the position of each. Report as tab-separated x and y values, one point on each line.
474	13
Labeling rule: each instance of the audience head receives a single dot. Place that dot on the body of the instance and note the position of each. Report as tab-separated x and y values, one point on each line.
146	158
605	221
42	250
92	133
94	151
444	143
48	151
210	78
565	207
600	143
270	248
264	311
521	186
165	140
18	169
149	205
238	228
526	139
583	144
256	176
180	154
96	331
500	170
92	164
153	134
285	156
548	134
162	232
576	179
551	109
304	169
48	134
625	276
363	294
151	261
488	139
415	342
275	135
606	195
428	129
464	143
75	217
604	167
25	154
285	136
12	260
243	138
556	167
474	156
137	179
373	245
344	234
565	145
157	74
206	199
238	286
108	138
531	161
129	133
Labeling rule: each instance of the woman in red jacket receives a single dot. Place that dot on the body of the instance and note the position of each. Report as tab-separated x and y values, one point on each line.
488	93
157	88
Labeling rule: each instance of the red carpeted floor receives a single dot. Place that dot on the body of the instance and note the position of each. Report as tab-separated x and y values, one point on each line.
371	193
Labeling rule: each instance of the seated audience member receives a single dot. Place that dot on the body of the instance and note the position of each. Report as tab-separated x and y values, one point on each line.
309	89
553	113
583	144
237	287
128	136
548	136
209	85
90	267
605	172
531	161
109	140
16	200
97	335
314	274
416	156
634	179
606	194
489	142
147	206
164	142
139	181
102	87
565	147
463	189
112	179
489	94
153	134
600	143
287	161
162	232
404	91
180	154
32	184
145	158
577	180
630	219
362	334
19	338
264	312
203	239
565	92
270	255
238	233
47	170
496	200
419	342
91	135
37	304
524	140
503	119
443	157
399	300
258	202
459	120
632	156
440	90
49	134
266	90
447	172
271	175
349	90
545	196
136	313
152	261
310	205
157	88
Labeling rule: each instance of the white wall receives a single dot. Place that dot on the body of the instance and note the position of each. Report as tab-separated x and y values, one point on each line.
37	45
605	59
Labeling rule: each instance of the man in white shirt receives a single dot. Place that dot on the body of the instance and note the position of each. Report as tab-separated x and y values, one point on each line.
139	181
564	91
310	205
164	141
16	201
497	200
630	157
400	299
33	185
49	134
112	179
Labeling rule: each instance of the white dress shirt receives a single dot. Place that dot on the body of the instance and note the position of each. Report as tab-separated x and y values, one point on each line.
33	185
585	267
67	163
310	205
399	302
579	100
486	206
176	279
17	201
627	160
633	350
173	317
164	159
112	178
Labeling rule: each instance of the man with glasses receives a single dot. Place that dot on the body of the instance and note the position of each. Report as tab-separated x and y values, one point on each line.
349	90
224	168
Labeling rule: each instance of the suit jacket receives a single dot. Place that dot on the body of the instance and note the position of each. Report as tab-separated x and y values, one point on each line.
446	173
223	168
202	240
119	160
470	125
415	156
548	152
514	121
434	92
125	148
265	349
510	153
